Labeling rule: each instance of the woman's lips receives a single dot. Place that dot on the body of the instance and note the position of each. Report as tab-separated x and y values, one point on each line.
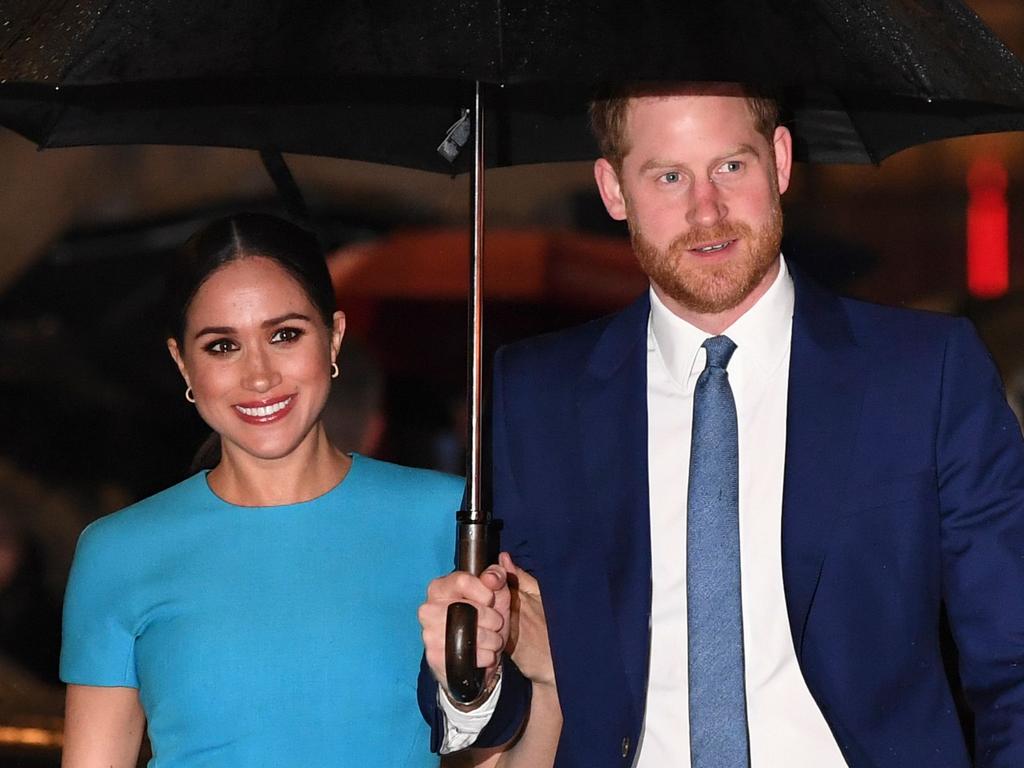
265	411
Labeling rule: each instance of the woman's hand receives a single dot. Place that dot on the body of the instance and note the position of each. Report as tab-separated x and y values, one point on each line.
528	634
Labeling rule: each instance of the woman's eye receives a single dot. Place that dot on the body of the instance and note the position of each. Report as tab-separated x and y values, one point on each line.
221	347
286	335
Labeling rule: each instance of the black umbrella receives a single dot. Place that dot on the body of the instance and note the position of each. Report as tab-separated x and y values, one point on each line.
389	80
381	80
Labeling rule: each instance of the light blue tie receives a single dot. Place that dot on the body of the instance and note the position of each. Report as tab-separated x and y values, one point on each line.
718	705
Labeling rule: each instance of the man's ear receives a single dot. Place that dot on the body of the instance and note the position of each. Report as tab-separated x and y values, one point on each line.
172	347
783	143
610	188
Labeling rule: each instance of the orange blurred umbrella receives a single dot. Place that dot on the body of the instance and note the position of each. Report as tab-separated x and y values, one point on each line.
535	265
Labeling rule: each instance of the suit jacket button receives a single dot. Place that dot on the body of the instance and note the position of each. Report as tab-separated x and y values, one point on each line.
625	746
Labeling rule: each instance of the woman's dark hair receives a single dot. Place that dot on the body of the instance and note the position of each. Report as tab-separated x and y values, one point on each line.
246	235
242	236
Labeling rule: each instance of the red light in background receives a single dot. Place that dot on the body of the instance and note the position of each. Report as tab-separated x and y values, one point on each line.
988	236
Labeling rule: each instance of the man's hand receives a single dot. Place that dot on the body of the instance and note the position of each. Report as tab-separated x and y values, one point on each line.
489	594
528	635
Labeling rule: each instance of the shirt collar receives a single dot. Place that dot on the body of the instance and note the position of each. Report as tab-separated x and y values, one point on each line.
762	334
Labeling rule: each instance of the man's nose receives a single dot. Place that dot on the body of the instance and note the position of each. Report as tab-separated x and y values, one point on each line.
707	206
260	375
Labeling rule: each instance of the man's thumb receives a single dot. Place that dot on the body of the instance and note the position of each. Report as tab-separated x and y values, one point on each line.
494	577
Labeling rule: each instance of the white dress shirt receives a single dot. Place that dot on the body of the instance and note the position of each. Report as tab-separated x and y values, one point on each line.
786	726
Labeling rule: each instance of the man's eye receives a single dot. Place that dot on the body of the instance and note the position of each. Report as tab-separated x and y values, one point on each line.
286	335
672	177
730	166
221	347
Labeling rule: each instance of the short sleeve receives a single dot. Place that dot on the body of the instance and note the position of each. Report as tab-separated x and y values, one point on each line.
98	636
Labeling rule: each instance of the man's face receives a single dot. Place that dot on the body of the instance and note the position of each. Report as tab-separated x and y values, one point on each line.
700	190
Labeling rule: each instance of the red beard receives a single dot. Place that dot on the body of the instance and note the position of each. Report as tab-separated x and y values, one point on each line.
711	288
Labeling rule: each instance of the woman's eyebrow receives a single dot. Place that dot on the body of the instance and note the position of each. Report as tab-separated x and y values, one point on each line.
227	330
223	330
285	318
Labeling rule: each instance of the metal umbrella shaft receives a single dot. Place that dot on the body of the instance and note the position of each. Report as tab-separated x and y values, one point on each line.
465	680
475	323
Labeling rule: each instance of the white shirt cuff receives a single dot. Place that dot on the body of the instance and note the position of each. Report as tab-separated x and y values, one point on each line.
462	728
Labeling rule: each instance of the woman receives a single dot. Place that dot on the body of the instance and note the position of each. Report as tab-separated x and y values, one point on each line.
262	613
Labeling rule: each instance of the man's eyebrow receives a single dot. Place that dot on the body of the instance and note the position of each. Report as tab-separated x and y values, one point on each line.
654	163
739	149
227	330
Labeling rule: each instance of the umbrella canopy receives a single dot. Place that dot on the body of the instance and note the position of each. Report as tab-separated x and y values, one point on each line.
383	81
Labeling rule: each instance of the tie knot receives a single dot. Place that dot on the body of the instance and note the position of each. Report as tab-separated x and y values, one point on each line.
719	349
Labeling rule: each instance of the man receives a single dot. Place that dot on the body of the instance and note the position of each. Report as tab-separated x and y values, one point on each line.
746	500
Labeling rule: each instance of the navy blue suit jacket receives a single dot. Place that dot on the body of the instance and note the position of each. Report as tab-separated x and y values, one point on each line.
903	490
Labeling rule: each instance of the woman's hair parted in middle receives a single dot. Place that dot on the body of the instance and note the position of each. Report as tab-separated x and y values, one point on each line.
241	236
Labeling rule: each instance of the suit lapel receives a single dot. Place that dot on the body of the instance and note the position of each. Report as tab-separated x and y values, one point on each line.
612	418
825	397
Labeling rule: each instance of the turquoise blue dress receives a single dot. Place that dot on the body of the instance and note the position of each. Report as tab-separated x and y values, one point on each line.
267	636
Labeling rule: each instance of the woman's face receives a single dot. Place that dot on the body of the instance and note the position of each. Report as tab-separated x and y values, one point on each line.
258	357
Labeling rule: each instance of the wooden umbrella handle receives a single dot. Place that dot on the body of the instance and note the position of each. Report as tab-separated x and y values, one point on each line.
474	554
465	679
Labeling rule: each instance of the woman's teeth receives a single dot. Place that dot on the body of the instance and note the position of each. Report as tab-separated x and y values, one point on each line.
264	410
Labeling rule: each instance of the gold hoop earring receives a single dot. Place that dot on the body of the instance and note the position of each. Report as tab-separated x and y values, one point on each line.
335	371
189	396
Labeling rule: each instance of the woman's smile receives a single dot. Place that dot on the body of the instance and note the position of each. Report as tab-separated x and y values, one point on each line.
265	411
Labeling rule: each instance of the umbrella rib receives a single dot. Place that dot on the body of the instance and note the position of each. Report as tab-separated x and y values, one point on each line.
873	156
287	188
51	124
86	50
501	40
